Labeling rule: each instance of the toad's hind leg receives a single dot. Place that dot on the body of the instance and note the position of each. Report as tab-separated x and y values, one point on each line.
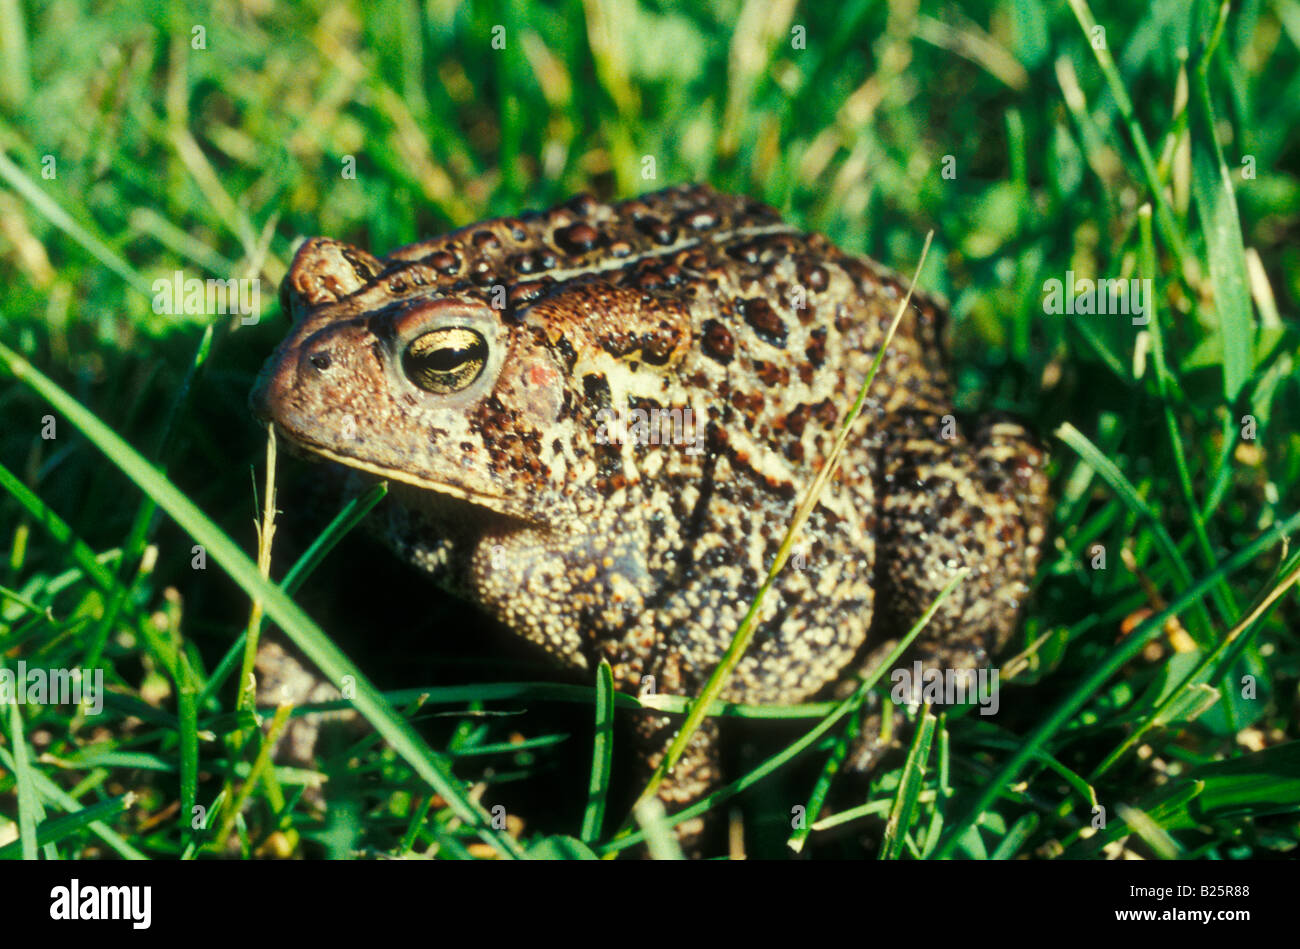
949	502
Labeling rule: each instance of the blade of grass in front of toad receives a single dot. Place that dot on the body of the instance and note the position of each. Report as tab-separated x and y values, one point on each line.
304	632
311	558
748	626
602	754
909	788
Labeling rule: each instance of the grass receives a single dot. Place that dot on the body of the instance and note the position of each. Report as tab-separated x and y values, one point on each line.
1156	672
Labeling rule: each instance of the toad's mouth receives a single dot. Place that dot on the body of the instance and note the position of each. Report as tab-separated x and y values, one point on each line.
431	494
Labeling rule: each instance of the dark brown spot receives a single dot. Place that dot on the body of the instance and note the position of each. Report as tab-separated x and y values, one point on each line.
770	373
522	294
619	342
814	277
486	240
748	403
577	238
764	321
657	347
596	388
444	261
797	419
745	252
816	349
360	266
843	319
718	343
655	229
649	278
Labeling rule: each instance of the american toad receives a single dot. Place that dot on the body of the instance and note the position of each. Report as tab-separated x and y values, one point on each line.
598	421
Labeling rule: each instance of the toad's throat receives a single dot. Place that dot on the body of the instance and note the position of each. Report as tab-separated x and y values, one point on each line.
493	503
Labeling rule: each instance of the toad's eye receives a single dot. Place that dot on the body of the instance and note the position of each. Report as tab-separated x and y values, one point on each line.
446	360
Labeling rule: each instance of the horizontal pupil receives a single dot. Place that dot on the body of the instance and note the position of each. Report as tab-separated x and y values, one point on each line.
448	358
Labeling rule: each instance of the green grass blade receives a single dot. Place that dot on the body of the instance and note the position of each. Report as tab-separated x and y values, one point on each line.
352	514
60	532
1149	829
909	787
1223	598
1217	206
29	805
1020	831
817	798
659	837
602	754
58	828
188	734
1263	782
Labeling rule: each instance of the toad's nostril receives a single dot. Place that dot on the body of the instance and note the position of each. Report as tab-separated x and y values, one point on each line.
321	361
